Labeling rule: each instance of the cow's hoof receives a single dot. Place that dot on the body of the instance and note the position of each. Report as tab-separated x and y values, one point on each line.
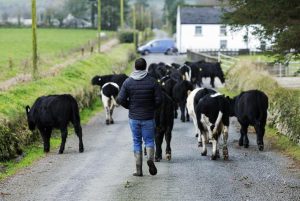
168	157
260	147
182	119
246	145
241	142
81	149
213	157
112	121
46	150
61	151
107	122
199	144
197	135
203	153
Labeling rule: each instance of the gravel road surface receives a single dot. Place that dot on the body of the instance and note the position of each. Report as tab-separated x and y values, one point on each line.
104	170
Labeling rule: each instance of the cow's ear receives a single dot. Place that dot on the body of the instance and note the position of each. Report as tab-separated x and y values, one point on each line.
27	109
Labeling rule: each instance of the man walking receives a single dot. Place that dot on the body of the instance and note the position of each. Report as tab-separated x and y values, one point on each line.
141	94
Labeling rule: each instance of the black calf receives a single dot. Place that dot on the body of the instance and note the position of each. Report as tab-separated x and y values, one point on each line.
55	111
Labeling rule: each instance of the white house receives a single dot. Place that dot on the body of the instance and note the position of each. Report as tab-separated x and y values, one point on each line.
200	28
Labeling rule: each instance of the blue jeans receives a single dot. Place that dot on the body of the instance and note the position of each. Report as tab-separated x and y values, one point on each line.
142	130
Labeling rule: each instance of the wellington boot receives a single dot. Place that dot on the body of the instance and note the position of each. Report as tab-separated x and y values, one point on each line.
139	164
150	162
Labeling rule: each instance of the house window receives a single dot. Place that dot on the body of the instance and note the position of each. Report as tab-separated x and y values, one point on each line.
223	44
223	30
198	30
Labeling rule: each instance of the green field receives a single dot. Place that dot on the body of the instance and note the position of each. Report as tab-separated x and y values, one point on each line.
53	47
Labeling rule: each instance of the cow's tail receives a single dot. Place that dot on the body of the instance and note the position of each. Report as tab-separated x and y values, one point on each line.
114	102
76	117
262	102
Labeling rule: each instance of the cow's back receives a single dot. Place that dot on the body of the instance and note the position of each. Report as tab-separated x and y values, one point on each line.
251	106
56	110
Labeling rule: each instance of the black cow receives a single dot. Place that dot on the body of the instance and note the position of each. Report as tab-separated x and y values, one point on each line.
212	113
109	89
179	93
157	71
164	120
55	111
250	108
168	86
210	70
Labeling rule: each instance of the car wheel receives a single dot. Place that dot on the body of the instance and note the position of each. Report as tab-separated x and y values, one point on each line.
168	52
146	52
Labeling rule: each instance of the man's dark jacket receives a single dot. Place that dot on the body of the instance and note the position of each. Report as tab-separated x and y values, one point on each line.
141	97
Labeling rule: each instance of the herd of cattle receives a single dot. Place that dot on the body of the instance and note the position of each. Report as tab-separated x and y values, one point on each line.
182	87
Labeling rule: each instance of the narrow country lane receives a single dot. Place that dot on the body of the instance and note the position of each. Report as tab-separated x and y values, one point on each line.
104	170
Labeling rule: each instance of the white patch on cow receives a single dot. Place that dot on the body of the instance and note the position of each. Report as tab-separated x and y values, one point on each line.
214	147
191	110
215	95
225	136
112	83
217	123
105	101
99	79
114	102
188	78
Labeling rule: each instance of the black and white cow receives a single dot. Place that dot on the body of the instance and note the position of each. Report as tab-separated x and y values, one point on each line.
180	92
55	111
116	78
212	113
109	93
250	108
109	89
191	104
164	119
210	70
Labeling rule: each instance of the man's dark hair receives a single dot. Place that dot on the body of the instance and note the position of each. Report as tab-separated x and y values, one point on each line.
140	64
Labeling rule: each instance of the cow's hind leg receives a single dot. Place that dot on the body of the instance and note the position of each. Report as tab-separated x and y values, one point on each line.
78	131
212	81
244	138
111	121
225	138
260	131
168	138
107	112
204	149
182	110
214	155
64	134
187	116
175	111
46	134
158	142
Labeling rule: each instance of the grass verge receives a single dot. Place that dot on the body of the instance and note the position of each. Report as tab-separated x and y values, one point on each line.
35	152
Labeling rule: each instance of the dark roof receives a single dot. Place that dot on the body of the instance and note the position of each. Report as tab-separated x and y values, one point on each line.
201	15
